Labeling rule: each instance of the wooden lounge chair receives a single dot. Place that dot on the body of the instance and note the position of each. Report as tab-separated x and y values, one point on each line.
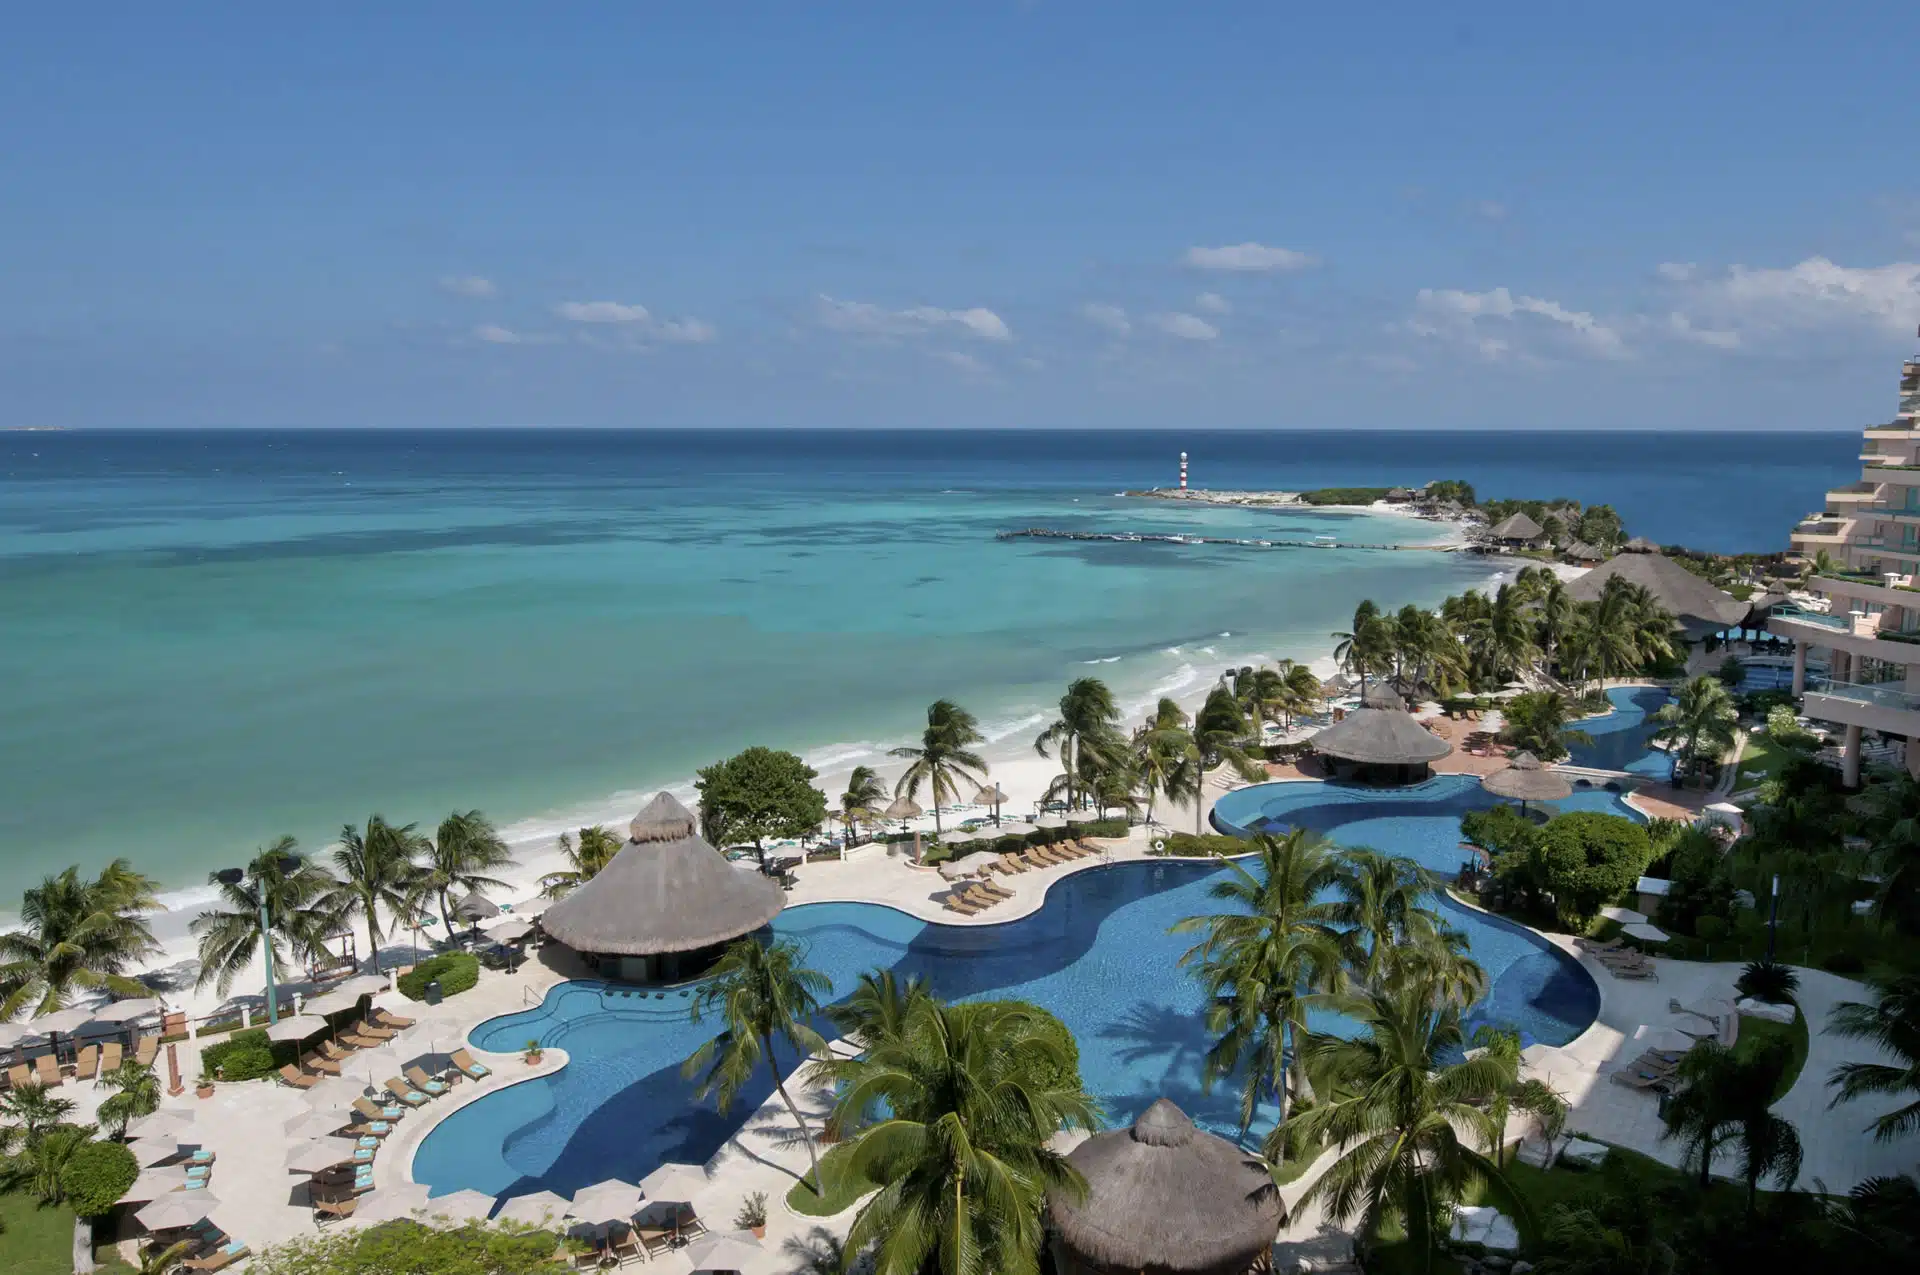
377	1114
980	900
328	1049
87	1063
473	1070
999	892
1590	945
146	1050
1044	856
392	1022
426	1084
1012	863
961	904
405	1092
292	1075
1635	973
656	1241
330	1210
357	1041
325	1066
47	1071
1653	1064
110	1056
625	1247
362	1028
1643	1080
690	1225
220	1258
19	1076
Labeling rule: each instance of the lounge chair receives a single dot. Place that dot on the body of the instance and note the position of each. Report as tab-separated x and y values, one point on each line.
392	1022
47	1071
999	892
110	1056
220	1258
656	1240
292	1075
625	1247
362	1028
19	1076
1012	863
973	894
473	1070
690	1225
1643	1080
325	1066
87	1063
377	1114
1635	973
330	1210
1651	1063
200	1156
1045	857
1596	947
405	1092
330	1050
961	904
357	1041
424	1083
146	1050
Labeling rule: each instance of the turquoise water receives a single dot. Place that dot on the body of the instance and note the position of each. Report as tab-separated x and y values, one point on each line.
1098	954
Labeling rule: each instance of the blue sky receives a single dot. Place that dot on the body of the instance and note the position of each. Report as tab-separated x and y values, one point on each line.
992	214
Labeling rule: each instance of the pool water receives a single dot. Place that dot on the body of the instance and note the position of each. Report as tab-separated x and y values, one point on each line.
1097	954
1621	739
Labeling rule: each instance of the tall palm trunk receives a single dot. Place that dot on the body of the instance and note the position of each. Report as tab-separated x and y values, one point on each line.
446	913
806	1135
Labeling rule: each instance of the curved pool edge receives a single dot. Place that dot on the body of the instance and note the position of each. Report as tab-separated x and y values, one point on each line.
416	1126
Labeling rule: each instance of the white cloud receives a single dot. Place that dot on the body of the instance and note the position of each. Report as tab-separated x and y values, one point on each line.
1817	292
1676	271
601	312
638	321
867	319
1467	308
1110	317
1212	303
494	334
965	362
1188	327
1682	327
1249	257
468	285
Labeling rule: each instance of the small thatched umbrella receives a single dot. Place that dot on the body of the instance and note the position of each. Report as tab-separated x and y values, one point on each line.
1525	779
476	907
991	796
1383	697
904	808
1164	1196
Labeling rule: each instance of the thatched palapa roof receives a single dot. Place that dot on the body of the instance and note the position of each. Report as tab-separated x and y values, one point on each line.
475	907
666	891
1516	527
1694	602
1166	1196
1640	544
1383	697
1527	779
1581	549
1381	737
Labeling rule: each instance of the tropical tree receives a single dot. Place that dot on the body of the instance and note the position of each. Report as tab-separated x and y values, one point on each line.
761	993
968	1097
1378	904
302	902
1302	689
1263	962
1367	646
592	850
944	757
1536	721
159	1258
27	1113
1414	1131
1221	736
759	794
1616	1230
136	1093
1088	723
861	802
379	870
77	934
1892	1021
1533	1096
465	849
1725	1100
1164	753
878	1007
1700	722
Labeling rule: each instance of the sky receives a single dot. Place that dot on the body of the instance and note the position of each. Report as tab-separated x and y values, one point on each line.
992	214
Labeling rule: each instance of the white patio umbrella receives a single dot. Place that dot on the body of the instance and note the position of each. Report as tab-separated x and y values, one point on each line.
461	1206
332	1002
317	1124
338	1091
167	1121
536	1209
725	1251
1644	932
154	1183
953	870
393	1203
1626	916
674	1183
958	838
152	1150
362	985
1012	829
176	1209
1050	821
126	1011
1664	1039
608	1201
298	1027
317	1154
530	907
1549	1061
511	930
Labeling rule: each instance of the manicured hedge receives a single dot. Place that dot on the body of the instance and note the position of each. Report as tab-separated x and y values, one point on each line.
96	1175
456	972
245	1055
1111	828
1186	845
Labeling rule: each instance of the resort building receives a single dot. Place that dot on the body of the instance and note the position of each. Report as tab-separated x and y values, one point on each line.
665	905
1869	532
1700	608
1381	743
1517	531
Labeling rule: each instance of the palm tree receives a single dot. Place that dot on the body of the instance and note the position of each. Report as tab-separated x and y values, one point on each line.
877	1009
27	1113
77	934
162	1259
968	1098
1262	962
1378	905
136	1093
1724	1099
1548	1108
861	801
1359	646
1702	714
944	758
1164	753
301	902
465	849
1302	689
1892	1021
1536	721
1406	1123
761	992
585	856
1087	723
1220	736
379	869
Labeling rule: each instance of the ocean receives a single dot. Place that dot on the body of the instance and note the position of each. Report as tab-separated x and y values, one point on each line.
212	638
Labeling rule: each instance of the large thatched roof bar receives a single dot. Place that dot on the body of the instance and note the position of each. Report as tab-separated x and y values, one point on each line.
1381	737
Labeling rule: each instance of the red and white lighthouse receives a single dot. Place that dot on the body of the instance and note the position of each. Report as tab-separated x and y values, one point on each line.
1183	471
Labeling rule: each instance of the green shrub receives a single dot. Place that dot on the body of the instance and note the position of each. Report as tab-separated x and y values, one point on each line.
1710	929
499	1249
96	1175
1187	845
1063	1073
456	972
1768	981
1587	859
1784	729
1345	495
245	1055
1109	828
1845	962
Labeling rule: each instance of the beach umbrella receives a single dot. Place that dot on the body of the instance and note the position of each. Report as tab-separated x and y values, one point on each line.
608	1201
959	837
317	1154
953	870
151	1151
530	907
725	1251
461	1206
511	930
1014	828
1525	780
1644	932
904	808
176	1210
126	1011
1669	1040
538	1209
1625	916
393	1203
337	1091
336	1001
317	1124
154	1183
362	985
62	1022
297	1027
674	1183
12	1034
1050	821
990	795
166	1122
1550	1060
475	907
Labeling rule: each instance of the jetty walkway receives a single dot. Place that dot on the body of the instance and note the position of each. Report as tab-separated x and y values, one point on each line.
1243	542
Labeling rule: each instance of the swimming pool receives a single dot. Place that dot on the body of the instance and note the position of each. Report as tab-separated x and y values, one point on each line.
1097	954
1621	738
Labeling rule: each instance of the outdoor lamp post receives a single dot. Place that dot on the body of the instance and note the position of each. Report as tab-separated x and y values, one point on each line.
234	876
1773	915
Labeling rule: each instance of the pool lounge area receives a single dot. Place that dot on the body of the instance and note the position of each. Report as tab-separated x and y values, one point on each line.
1097	953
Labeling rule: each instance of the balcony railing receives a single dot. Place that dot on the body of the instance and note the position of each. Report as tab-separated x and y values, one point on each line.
1880	695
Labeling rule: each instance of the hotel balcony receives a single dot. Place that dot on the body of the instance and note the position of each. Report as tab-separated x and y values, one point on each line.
1822	530
1857	494
1883	706
1897	432
1889	588
1853	633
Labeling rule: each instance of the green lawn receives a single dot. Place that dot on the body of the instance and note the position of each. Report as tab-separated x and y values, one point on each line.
1763	755
844	1190
39	1240
1755	1033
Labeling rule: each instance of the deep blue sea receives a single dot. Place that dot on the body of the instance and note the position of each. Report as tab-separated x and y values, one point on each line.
212	638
